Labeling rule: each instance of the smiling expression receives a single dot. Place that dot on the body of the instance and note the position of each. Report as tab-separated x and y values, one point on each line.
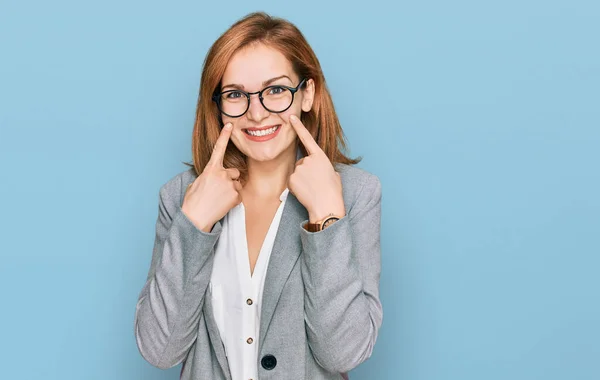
259	134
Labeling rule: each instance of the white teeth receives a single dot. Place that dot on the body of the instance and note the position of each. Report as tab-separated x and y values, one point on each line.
262	133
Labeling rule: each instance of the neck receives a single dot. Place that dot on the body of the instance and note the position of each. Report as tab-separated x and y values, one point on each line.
268	179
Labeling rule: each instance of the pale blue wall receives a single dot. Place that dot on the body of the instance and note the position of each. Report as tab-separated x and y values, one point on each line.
481	119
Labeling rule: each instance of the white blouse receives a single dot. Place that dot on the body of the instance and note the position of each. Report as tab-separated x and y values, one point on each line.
237	295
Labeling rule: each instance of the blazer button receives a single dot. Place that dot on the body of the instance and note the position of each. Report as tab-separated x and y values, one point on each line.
268	362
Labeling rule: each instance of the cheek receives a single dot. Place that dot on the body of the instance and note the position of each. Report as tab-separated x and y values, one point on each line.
288	130
295	109
237	123
237	138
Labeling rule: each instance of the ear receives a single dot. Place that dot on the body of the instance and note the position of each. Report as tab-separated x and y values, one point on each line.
308	95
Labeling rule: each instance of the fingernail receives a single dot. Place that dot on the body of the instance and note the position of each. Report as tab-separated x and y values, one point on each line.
228	126
293	117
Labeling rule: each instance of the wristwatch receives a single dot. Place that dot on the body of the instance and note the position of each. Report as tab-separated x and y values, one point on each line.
321	224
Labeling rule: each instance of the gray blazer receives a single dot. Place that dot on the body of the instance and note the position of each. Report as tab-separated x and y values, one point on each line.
321	310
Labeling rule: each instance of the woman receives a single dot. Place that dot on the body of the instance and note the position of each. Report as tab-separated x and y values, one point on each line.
266	260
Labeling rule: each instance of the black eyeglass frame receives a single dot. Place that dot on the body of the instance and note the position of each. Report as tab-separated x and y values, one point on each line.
217	97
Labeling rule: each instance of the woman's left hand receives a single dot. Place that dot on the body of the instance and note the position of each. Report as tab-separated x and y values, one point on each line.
314	182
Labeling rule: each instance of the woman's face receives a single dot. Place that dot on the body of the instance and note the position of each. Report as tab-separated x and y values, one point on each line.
252	69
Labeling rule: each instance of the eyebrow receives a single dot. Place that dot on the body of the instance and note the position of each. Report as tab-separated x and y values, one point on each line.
265	83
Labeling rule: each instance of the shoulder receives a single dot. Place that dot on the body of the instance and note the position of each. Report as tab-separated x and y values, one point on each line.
353	174
173	190
360	187
355	179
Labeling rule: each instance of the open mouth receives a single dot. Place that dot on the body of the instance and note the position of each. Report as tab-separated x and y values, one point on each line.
262	132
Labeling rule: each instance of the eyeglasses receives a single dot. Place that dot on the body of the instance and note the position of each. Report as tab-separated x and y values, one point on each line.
276	98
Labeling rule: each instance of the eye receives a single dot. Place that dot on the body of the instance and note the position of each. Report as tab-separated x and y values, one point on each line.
234	95
276	90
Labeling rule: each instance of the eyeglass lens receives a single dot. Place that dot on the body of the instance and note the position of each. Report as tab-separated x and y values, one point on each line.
274	99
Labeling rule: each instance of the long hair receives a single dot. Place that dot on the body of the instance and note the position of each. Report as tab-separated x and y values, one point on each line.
321	121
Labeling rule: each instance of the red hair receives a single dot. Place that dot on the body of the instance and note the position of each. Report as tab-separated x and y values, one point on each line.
278	33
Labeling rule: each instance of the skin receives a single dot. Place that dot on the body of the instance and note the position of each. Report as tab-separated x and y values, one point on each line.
272	164
249	68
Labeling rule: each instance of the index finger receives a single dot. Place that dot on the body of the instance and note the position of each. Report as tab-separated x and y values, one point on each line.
309	142
218	153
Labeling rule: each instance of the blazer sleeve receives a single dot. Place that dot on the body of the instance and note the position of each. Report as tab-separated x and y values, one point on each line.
170	304
341	267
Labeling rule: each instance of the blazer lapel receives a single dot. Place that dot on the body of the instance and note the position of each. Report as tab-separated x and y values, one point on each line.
211	324
286	250
215	337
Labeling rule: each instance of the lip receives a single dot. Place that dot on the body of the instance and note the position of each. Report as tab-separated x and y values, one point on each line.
262	138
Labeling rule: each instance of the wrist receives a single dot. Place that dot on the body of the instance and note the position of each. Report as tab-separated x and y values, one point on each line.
199	224
317	215
323	223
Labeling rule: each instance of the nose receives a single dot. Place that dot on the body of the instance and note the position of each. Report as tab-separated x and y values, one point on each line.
256	111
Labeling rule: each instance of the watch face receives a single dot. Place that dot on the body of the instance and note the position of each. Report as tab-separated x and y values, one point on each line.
329	222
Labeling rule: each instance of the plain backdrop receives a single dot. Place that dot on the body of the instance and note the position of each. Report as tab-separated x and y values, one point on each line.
481	118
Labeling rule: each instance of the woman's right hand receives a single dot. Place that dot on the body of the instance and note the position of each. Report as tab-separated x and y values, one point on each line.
215	191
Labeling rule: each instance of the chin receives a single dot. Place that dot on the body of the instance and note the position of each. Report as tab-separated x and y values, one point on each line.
265	154
268	152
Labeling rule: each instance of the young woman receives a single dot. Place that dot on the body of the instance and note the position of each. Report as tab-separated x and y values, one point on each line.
266	260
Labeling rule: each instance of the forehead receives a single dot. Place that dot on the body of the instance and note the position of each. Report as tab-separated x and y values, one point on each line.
255	64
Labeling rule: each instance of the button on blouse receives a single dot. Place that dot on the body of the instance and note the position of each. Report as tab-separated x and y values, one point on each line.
235	294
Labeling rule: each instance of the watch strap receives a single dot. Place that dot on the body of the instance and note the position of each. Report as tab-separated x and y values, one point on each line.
318	226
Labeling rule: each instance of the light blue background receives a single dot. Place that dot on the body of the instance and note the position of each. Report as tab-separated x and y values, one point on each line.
480	118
